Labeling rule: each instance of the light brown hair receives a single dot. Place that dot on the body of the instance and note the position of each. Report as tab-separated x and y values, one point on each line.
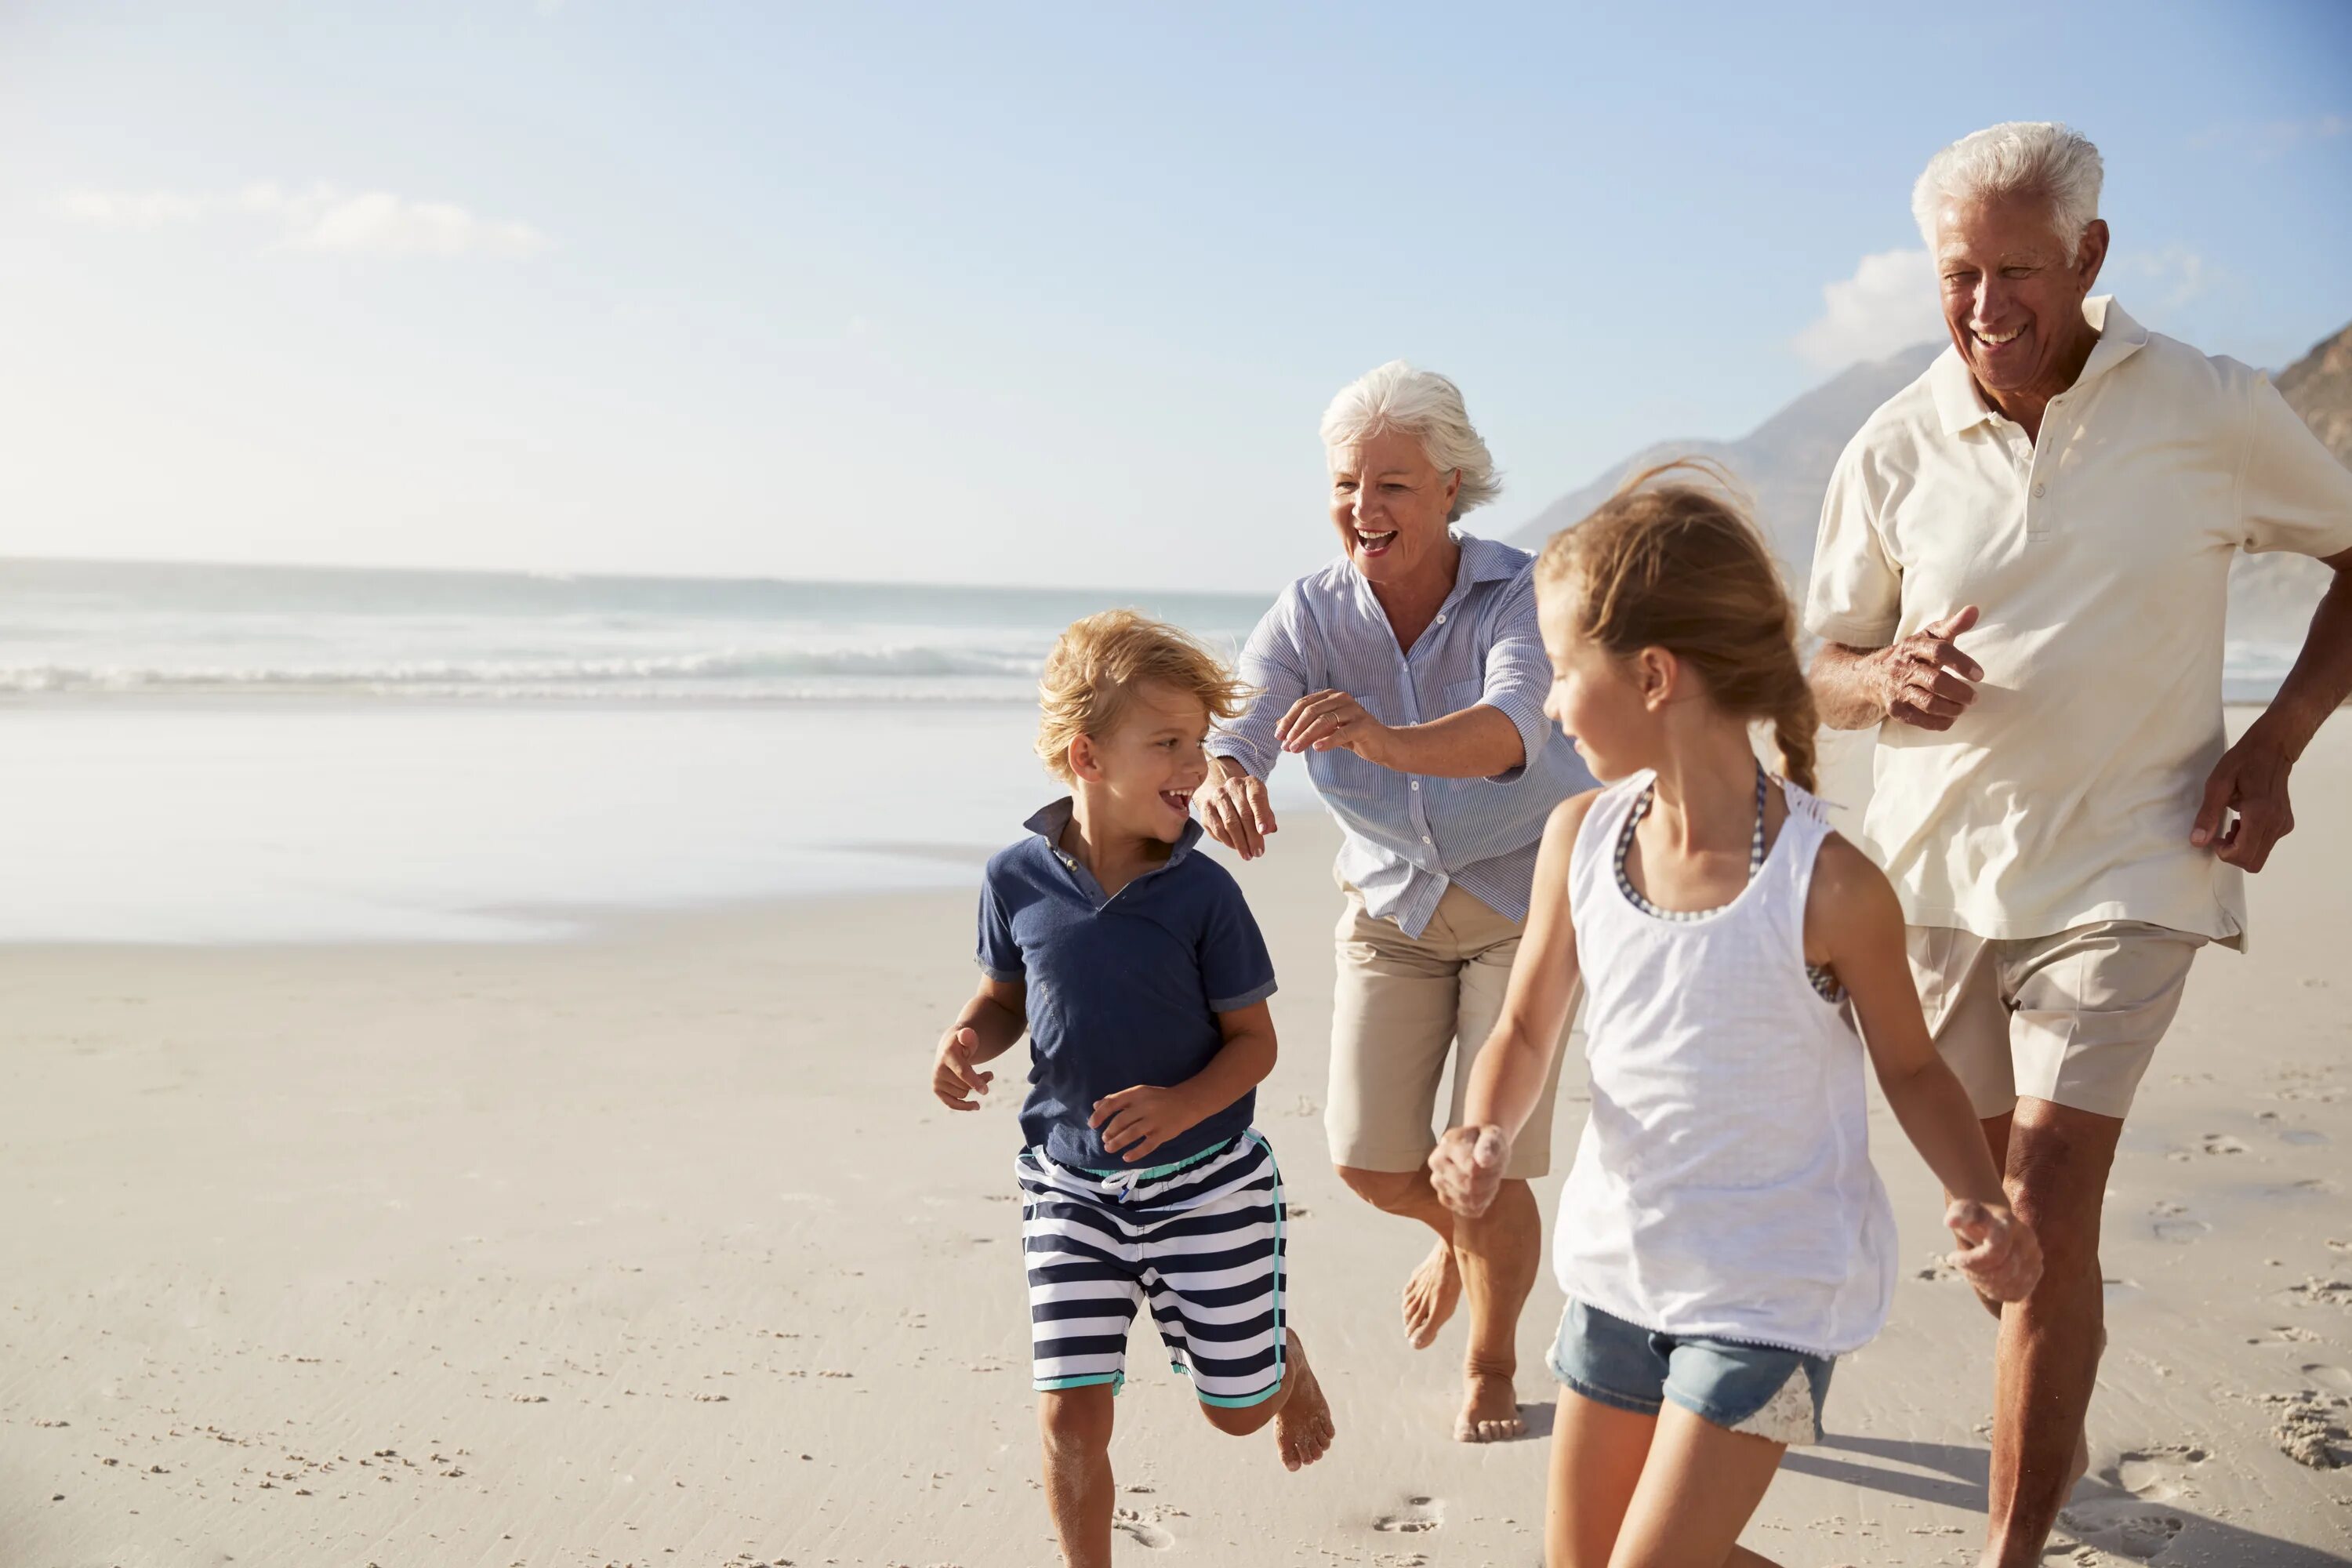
1096	666
1671	560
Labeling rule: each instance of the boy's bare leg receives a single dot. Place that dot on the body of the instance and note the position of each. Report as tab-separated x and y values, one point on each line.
1301	1416
1075	1424
1493	1259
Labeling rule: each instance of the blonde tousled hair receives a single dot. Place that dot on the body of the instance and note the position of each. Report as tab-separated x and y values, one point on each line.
1671	560
1096	665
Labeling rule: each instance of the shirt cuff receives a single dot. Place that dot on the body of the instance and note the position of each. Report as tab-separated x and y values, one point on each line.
1240	751
1528	718
1001	976
1852	630
1246	999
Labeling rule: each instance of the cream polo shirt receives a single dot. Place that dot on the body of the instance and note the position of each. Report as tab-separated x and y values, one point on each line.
2099	558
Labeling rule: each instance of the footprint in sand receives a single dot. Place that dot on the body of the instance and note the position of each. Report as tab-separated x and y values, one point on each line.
2333	1379
2157	1475
2181	1231
1418	1515
1141	1530
2221	1143
2125	1526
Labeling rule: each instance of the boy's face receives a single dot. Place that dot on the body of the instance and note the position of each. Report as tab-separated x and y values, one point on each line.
1593	700
1151	761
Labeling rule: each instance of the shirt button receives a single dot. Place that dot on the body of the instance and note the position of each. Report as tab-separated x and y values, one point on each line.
1416	784
1441	620
2038	488
1424	839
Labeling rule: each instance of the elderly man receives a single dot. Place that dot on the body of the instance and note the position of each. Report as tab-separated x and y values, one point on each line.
2022	577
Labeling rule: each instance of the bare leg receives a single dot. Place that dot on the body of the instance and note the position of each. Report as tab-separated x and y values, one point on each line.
1494	1258
1076	1426
1301	1416
2050	1342
1597	1453
1700	1484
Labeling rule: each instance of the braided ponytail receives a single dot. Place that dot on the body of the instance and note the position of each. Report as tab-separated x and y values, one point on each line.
1678	566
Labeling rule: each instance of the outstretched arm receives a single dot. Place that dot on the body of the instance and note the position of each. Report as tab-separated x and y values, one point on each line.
1508	1078
1854	922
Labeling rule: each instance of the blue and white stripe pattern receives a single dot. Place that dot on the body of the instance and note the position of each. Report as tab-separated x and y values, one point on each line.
1409	837
1201	1240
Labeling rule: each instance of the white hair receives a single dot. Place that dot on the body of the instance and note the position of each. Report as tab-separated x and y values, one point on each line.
2024	157
1426	406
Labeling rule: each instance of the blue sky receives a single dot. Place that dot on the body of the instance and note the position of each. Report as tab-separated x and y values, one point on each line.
1030	293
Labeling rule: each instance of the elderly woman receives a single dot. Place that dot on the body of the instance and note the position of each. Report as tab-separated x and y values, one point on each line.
1410	675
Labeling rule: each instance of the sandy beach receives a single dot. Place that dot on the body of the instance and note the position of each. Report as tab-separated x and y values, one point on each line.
649	1247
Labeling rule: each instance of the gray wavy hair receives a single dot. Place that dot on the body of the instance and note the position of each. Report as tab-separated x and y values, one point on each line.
2022	157
1426	406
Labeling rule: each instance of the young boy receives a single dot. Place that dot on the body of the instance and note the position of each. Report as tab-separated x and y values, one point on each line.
1134	966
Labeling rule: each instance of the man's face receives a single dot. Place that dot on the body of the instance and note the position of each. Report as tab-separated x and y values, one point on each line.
2013	290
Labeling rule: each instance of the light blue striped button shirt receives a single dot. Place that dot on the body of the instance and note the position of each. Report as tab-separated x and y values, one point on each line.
1409	836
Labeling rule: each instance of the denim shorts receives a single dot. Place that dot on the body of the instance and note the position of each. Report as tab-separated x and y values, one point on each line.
1760	1390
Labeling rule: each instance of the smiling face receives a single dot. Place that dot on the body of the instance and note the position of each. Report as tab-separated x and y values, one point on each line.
1390	505
2013	291
1597	699
1140	776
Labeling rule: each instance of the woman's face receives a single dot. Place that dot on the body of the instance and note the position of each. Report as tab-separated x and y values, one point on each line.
1390	507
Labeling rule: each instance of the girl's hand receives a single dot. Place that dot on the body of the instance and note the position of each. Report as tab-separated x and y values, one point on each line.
1999	1256
1466	1168
953	1078
1135	1121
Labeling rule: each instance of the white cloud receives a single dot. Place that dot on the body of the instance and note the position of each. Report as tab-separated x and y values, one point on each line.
2174	276
1887	305
2276	138
319	217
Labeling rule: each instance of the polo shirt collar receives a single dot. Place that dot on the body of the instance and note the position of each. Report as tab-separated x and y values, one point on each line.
1047	821
1960	407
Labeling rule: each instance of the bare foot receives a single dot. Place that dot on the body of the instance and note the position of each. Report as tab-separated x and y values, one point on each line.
1430	1297
1490	1410
1302	1427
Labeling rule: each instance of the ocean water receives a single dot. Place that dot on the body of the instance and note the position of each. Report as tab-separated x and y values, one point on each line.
216	753
209	753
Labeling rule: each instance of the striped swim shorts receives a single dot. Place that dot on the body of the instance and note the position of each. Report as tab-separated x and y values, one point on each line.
1201	1240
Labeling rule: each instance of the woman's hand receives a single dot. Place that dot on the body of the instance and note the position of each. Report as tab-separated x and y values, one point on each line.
1999	1256
1466	1168
1135	1121
1323	719
1233	808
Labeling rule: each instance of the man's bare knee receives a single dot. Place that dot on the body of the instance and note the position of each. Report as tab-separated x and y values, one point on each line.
1075	1420
1386	1190
1239	1420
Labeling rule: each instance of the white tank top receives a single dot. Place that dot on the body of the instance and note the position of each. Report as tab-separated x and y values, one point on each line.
1722	1185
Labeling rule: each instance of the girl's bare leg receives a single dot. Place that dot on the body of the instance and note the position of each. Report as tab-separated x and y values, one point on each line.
1597	1452
1700	1484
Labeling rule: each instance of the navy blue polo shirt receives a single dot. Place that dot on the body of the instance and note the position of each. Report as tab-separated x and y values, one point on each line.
1123	990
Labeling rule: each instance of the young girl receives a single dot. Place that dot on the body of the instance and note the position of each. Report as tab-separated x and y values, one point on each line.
1722	1236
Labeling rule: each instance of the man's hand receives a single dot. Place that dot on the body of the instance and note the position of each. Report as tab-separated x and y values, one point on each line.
1466	1168
2251	778
1322	720
1923	680
1999	1253
953	1078
1135	1121
1233	808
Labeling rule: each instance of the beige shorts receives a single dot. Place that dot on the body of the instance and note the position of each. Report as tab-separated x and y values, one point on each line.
1402	1007
2071	1017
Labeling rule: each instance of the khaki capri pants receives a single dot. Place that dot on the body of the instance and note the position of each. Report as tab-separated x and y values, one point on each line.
1402	1007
